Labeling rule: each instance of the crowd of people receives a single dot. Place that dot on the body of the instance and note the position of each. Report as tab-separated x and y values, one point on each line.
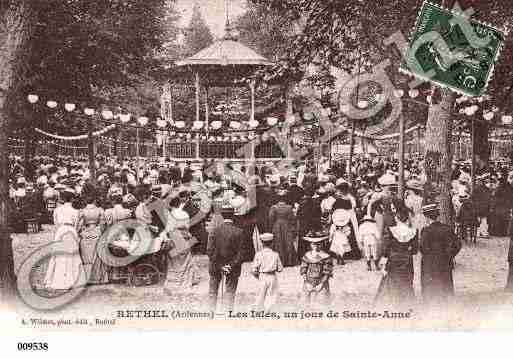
304	214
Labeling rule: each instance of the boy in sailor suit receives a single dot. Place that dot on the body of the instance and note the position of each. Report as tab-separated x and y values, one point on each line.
264	268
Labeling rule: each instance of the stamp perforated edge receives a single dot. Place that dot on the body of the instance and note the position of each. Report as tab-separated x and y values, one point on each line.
491	71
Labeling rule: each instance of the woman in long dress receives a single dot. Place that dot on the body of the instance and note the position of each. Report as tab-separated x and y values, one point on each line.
182	271
308	221
100	271
400	244
90	228
414	202
282	219
65	271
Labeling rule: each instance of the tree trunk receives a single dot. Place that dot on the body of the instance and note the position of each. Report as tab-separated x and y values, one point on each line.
481	146
438	156
15	21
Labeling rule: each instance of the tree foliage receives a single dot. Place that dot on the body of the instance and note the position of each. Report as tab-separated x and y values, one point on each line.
197	35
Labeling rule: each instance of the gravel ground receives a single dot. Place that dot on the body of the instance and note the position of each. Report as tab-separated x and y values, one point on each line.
479	276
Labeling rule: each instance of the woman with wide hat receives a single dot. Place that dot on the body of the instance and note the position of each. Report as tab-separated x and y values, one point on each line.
283	222
316	270
438	246
400	244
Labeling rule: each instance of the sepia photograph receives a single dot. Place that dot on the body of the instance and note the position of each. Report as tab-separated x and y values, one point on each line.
283	165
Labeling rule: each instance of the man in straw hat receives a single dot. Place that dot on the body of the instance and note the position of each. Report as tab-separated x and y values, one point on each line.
438	246
264	267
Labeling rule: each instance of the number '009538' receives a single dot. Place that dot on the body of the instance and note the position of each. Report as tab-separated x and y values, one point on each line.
35	346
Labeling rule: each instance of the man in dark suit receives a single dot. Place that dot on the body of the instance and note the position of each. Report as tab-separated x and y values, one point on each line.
225	251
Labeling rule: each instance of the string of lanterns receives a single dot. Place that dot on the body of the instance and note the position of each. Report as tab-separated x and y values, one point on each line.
162	124
78	137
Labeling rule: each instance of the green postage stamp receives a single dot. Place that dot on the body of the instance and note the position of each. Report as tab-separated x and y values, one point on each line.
451	50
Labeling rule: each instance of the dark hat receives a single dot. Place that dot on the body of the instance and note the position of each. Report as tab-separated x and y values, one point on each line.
238	188
316	237
227	211
368	218
156	191
430	208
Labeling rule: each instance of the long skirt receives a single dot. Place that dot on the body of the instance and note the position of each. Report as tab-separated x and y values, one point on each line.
88	239
182	273
284	235
65	271
245	223
397	287
354	252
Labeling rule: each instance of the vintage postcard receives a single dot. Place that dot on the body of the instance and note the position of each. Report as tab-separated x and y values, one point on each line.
255	165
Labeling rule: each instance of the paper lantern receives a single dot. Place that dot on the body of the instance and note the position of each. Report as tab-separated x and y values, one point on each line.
488	116
235	125
108	115
143	121
89	111
33	98
253	123
469	111
51	104
507	120
69	107
398	93
161	123
124	118
216	125
290	120
198	125
461	99
413	93
271	121
178	124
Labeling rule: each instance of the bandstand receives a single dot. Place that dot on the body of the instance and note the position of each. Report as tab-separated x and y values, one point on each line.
230	130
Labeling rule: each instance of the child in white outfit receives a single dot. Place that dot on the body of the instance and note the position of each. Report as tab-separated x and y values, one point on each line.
368	238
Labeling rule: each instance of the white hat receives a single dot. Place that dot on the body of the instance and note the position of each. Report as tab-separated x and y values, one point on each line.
341	217
340	181
329	187
266	237
237	201
315	238
181	218
388	179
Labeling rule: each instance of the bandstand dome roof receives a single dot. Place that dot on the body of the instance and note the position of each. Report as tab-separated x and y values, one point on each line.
226	52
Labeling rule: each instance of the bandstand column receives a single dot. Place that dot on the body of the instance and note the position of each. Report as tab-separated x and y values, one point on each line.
197	85
206	109
252	90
